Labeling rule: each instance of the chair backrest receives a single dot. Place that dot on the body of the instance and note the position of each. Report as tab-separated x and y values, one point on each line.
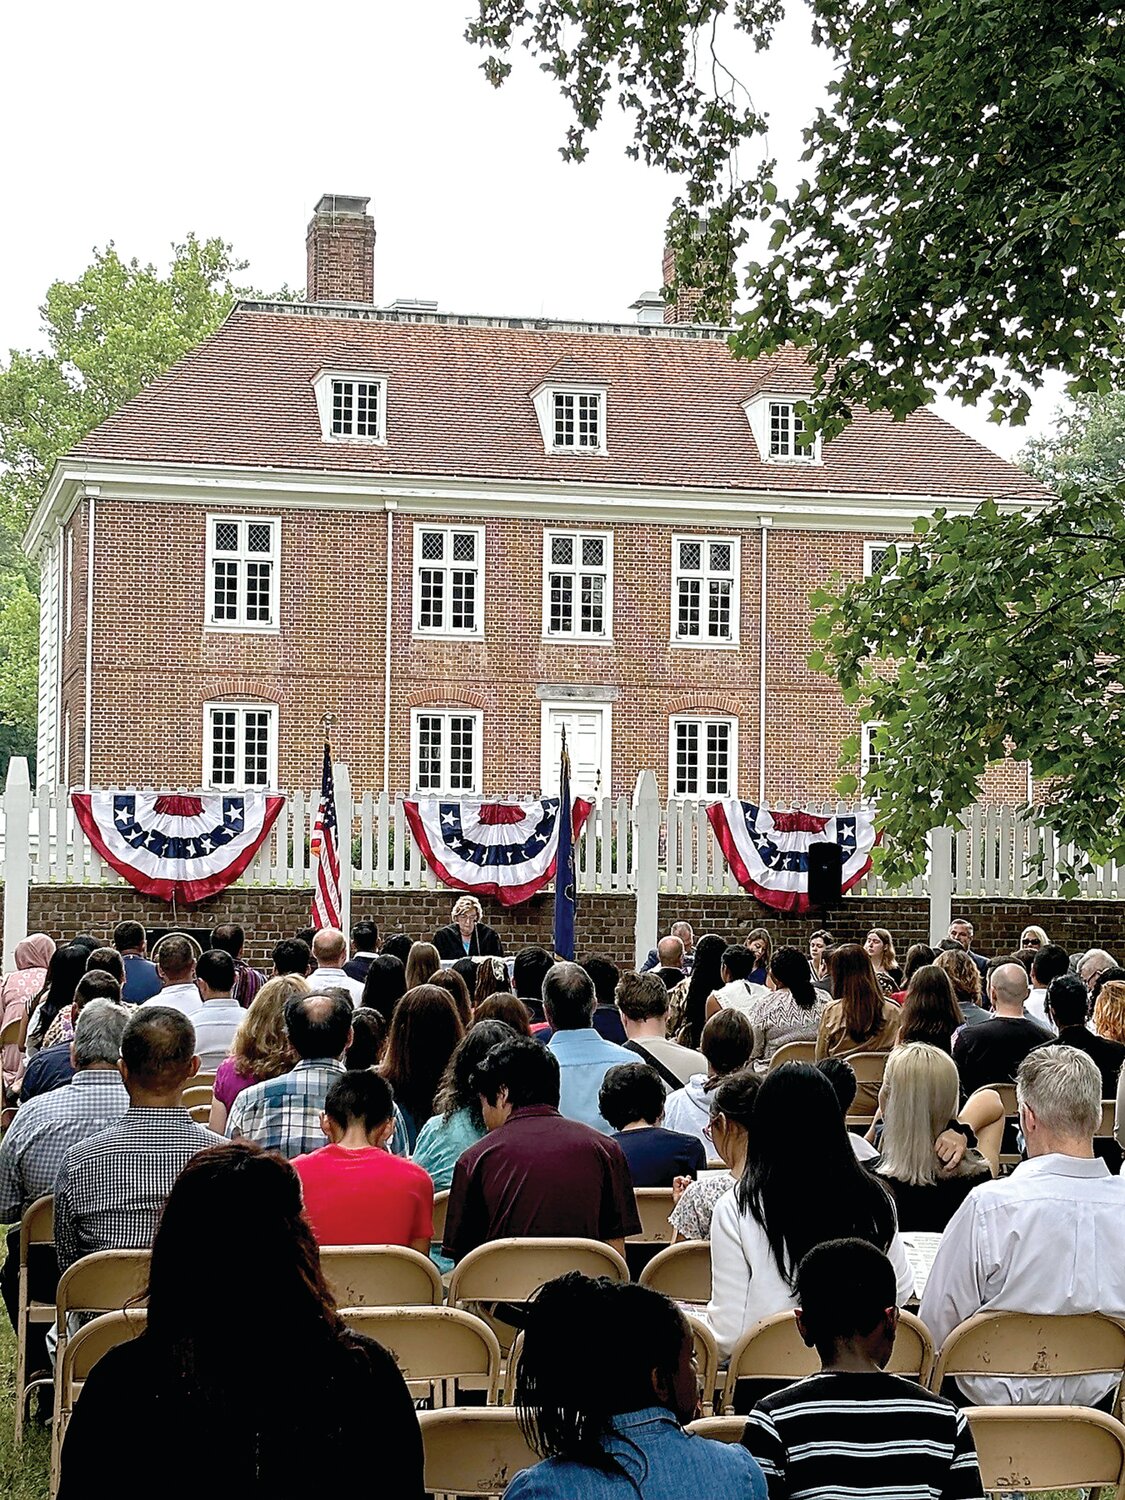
654	1205
1007	1092
10	1034
1109	1118
774	1350
798	1052
441	1207
37	1227
682	1271
197	1095
721	1429
200	1113
380	1276
473	1450
706	1361
434	1344
1039	1344
204	1081
103	1282
510	1270
93	1339
1048	1448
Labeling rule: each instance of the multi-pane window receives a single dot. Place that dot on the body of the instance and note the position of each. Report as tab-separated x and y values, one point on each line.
357	408
703	756
448	580
577	419
577	584
240	745
788	435
705	589
242	560
445	751
869	754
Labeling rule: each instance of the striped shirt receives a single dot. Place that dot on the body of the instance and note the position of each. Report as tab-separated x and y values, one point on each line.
44	1130
842	1434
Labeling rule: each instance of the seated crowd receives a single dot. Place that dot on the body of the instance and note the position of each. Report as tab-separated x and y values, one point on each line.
807	1113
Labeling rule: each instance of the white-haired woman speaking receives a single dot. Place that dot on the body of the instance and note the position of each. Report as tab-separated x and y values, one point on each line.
467	936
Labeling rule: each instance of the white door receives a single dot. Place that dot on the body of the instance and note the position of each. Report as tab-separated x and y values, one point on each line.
588	741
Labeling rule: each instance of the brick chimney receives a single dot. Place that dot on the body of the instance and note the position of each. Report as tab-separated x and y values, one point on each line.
685	307
341	250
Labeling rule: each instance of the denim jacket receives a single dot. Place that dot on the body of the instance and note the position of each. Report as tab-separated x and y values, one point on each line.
661	1462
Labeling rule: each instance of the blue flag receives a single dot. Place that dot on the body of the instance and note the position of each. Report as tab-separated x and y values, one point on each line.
566	903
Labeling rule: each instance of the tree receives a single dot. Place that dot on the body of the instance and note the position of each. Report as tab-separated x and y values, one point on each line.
959	226
1087	447
107	335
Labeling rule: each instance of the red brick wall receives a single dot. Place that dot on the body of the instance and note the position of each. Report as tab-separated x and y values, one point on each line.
605	923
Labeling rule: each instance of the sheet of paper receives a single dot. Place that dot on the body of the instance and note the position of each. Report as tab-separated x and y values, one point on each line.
921	1248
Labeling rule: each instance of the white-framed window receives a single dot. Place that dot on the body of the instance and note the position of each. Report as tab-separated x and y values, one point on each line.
578	585
705	593
780	431
702	755
352	406
239	745
875	555
448	580
572	418
242	572
445	751
868	754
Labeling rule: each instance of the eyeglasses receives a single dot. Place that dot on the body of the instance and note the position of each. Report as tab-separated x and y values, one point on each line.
709	1128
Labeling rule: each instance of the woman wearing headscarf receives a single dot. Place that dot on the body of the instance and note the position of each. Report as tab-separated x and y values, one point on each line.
33	954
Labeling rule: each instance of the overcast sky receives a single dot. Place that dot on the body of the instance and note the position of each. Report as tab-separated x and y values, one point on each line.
136	123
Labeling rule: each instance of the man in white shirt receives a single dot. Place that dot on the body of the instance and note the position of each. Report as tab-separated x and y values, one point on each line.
175	964
220	1015
642	1002
1049	963
1049	1239
330	949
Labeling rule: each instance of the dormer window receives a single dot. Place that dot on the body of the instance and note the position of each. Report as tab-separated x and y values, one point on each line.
572	418
352	407
780	431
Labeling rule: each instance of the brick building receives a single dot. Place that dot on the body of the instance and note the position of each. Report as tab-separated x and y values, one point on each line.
460	534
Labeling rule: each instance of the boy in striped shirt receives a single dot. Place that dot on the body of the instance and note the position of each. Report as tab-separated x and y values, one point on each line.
853	1429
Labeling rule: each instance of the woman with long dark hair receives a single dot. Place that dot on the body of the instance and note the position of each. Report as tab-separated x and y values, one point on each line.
792	1010
613	1426
801	1185
860	1018
732	1109
930	1012
384	985
290	1427
451	980
457	1122
65	968
706	978
424	1030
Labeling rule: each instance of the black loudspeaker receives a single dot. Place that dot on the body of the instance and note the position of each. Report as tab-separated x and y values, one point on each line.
826	863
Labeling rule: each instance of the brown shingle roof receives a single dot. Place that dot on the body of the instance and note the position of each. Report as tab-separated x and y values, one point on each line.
458	404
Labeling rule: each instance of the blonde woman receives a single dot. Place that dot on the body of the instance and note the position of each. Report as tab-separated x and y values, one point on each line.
1033	937
260	1049
918	1101
468	935
880	949
1109	1011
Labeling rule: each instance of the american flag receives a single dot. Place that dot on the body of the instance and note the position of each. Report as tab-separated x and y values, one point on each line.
326	909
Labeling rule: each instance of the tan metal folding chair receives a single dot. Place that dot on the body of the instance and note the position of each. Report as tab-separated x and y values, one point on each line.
37	1227
1049	1448
200	1113
473	1450
198	1094
438	1349
511	1270
706	1362
441	1207
793	1052
1010	1344
721	1429
654	1205
774	1350
203	1081
868	1068
84	1350
682	1272
1007	1092
380	1276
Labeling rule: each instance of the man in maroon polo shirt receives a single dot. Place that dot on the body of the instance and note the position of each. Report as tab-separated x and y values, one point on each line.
535	1174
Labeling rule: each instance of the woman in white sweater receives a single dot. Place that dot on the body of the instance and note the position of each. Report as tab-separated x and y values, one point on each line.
802	1185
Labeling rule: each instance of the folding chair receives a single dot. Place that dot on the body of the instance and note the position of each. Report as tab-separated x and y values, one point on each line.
654	1205
441	1206
107	1281
1007	1092
380	1276
473	1450
721	1429
202	1081
85	1349
1049	1448
1011	1344
10	1034
439	1348
706	1361
198	1094
37	1227
797	1052
511	1270
682	1272
774	1350
868	1068
200	1113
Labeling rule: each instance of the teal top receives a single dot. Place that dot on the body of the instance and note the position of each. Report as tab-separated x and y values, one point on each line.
438	1148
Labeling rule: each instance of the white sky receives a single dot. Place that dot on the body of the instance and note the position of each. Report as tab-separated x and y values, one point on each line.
136	123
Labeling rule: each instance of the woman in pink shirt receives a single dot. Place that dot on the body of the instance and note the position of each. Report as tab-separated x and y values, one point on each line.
33	954
260	1048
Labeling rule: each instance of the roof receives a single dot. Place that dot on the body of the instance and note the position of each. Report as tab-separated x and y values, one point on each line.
458	404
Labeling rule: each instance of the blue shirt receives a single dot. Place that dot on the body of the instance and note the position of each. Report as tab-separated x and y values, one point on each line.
141	979
656	1156
661	1460
584	1060
48	1070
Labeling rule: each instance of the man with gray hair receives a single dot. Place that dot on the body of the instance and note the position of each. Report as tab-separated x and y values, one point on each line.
584	1055
1049	1239
682	931
991	1051
44	1130
1093	962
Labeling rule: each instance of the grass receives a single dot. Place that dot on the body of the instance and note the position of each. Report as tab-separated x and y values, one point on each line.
23	1471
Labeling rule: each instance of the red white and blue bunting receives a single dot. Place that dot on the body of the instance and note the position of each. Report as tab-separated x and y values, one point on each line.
178	847
768	852
501	849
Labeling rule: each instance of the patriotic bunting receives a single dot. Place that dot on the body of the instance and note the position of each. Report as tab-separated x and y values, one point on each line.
177	847
501	849
768	851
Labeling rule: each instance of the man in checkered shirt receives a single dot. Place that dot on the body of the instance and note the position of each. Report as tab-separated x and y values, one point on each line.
44	1129
283	1114
112	1186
